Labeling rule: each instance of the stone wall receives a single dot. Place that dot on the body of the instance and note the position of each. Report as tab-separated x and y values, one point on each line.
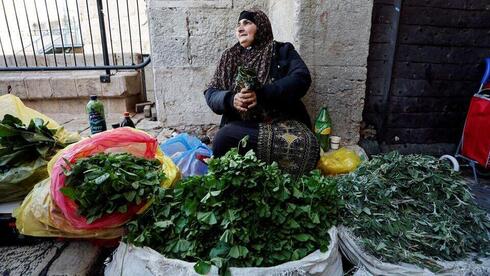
333	40
332	36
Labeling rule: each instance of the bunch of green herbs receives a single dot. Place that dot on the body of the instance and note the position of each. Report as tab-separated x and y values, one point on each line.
413	209
242	213
24	154
107	183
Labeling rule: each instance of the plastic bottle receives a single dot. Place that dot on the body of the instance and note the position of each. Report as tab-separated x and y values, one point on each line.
323	128
96	116
127	122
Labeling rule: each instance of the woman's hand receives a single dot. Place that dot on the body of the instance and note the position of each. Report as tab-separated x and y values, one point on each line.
245	100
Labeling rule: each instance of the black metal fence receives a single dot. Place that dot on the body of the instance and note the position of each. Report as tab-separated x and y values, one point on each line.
53	35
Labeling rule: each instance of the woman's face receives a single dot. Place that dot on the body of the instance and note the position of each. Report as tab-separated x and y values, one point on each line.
245	32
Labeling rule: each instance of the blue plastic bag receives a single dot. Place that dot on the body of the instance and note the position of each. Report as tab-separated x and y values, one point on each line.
188	153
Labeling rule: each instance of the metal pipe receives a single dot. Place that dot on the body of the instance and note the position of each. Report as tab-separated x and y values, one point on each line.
103	38
20	34
71	33
120	31
129	27
139	26
41	34
50	33
77	68
110	31
8	31
90	30
81	35
3	52
30	33
61	32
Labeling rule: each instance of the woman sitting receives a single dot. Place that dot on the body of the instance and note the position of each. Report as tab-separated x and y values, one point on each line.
270	111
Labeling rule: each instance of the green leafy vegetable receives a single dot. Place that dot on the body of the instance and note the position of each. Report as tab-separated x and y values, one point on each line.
247	78
242	213
107	183
413	209
24	153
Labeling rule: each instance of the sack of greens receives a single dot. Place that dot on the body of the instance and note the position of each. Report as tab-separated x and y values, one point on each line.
412	215
28	140
243	217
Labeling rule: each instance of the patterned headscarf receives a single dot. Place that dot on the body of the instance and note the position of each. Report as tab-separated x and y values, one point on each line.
257	57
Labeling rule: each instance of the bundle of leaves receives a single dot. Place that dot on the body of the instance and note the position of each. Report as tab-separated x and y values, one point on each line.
20	143
242	213
247	78
413	209
24	154
107	183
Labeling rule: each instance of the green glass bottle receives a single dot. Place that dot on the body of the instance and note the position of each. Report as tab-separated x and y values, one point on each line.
96	116
323	128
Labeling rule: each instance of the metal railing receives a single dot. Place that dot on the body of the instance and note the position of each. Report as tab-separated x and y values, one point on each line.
59	35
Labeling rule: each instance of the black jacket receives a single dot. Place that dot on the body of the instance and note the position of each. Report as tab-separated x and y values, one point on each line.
290	82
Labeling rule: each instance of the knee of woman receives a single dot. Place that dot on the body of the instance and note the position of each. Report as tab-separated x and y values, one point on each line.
222	141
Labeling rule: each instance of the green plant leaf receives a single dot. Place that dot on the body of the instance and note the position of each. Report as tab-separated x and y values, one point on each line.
207	217
202	267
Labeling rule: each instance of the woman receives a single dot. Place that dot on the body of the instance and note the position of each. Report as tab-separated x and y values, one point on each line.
277	122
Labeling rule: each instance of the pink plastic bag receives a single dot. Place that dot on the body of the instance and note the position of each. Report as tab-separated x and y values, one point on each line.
135	142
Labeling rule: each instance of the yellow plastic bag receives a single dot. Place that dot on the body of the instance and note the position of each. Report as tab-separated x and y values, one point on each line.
10	104
39	216
13	187
338	162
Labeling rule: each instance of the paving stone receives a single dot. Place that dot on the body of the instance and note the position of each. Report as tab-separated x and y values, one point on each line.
78	258
29	259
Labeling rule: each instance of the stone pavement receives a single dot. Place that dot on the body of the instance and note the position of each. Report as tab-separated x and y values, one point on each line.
155	128
481	191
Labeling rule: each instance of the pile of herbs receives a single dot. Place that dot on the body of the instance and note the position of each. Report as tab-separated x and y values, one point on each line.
413	209
242	213
24	153
107	183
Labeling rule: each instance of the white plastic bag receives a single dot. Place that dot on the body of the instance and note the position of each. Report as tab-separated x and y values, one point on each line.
368	265
134	261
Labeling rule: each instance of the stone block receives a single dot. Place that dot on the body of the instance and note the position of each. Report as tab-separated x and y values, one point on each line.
115	88
63	87
78	258
170	52
179	94
167	23
337	79
147	111
38	87
30	259
15	84
342	90
88	85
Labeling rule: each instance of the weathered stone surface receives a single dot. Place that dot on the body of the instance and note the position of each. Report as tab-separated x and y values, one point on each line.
179	97
38	87
63	87
78	258
331	36
14	82
333	39
88	85
28	259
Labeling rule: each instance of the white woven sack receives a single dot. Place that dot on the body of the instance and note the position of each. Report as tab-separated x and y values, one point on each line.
368	265
130	260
